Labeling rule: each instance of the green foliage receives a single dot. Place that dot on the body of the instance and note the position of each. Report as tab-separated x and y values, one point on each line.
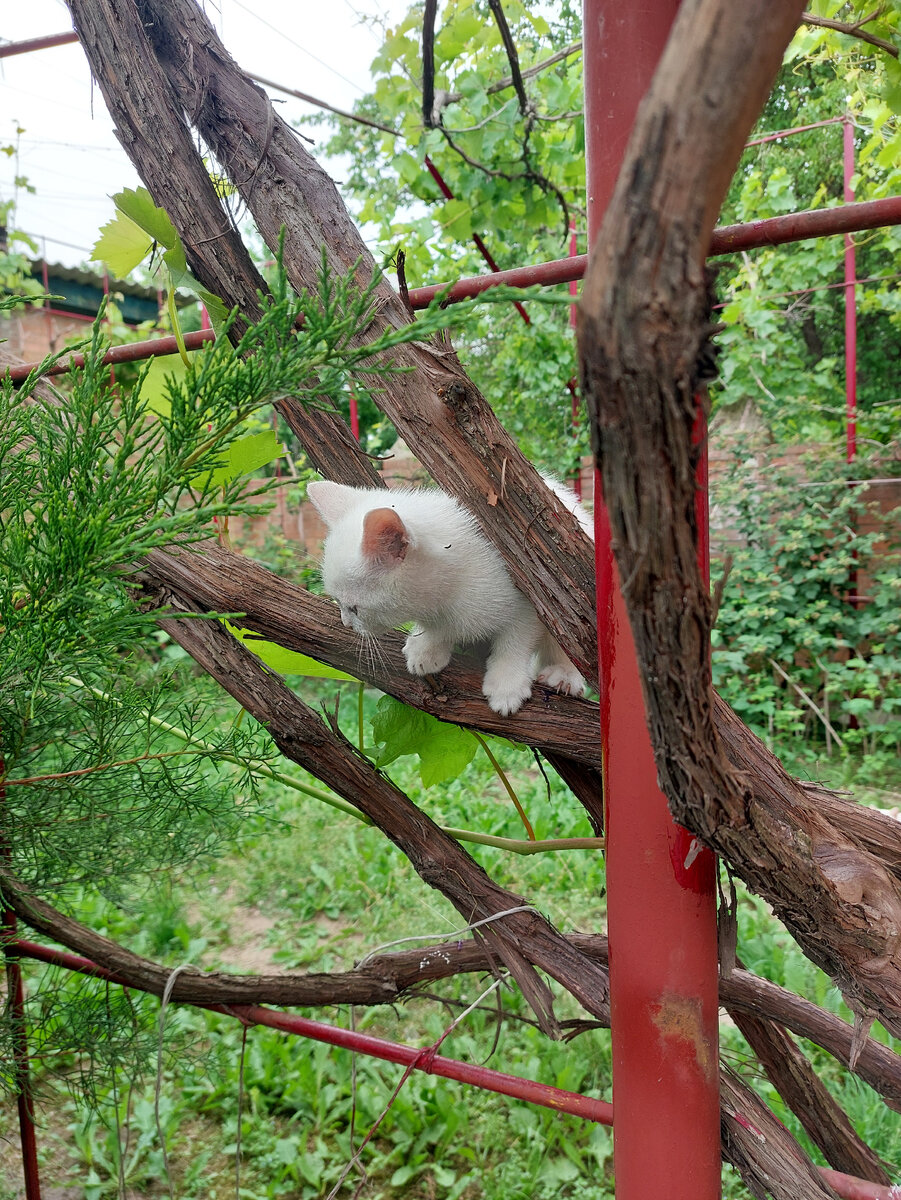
508	171
285	662
783	346
443	750
113	769
279	898
137	230
793	654
784	343
512	177
15	265
527	373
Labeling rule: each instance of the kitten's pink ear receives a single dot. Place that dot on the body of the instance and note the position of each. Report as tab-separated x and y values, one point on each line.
385	537
330	499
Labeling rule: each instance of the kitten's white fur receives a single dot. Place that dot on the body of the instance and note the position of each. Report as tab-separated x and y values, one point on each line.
410	554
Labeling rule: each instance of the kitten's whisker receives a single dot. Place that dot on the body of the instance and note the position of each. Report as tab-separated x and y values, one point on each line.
380	662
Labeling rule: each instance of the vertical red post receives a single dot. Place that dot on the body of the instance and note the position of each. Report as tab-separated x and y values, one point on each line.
15	985
850	302
660	883
572	384
354	413
15	988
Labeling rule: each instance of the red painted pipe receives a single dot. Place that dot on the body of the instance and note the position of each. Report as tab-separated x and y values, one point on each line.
771	231
24	1099
784	133
422	1060
133	352
661	905
41	43
850	301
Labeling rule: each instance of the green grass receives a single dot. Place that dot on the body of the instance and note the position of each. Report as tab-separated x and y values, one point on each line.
309	888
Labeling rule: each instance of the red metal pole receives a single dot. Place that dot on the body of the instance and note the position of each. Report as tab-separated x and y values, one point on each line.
572	384
661	907
133	352
769	231
783	133
850	302
24	1101
15	989
847	1186
354	414
41	43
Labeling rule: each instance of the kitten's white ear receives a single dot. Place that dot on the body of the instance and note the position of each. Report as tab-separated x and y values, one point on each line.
330	499
385	537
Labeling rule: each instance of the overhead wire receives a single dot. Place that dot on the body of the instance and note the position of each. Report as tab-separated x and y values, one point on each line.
353	83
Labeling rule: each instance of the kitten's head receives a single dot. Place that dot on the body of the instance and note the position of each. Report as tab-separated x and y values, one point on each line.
363	551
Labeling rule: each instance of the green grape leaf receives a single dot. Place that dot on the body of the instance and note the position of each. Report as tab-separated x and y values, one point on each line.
130	236
282	660
444	750
137	204
178	265
122	245
153	387
456	219
243	456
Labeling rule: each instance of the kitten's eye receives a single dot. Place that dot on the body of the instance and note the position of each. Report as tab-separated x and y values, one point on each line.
353	608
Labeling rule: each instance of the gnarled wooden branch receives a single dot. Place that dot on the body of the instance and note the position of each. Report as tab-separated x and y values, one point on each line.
562	727
643	327
386	978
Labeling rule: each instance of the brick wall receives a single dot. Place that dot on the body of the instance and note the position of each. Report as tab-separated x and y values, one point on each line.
33	333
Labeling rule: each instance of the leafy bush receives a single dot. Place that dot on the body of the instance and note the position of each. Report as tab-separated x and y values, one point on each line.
795	653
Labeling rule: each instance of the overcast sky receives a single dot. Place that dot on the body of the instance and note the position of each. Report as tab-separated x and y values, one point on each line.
68	151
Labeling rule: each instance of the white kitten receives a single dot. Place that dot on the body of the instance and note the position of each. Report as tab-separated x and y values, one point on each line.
416	555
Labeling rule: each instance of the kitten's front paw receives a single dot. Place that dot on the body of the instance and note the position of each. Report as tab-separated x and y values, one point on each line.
565	679
506	692
424	655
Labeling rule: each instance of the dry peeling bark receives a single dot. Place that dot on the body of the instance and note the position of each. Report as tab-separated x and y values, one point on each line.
643	328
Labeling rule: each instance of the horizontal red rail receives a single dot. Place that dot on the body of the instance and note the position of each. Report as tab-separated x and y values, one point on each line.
774	231
813	222
779	134
363	1043
41	43
133	352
